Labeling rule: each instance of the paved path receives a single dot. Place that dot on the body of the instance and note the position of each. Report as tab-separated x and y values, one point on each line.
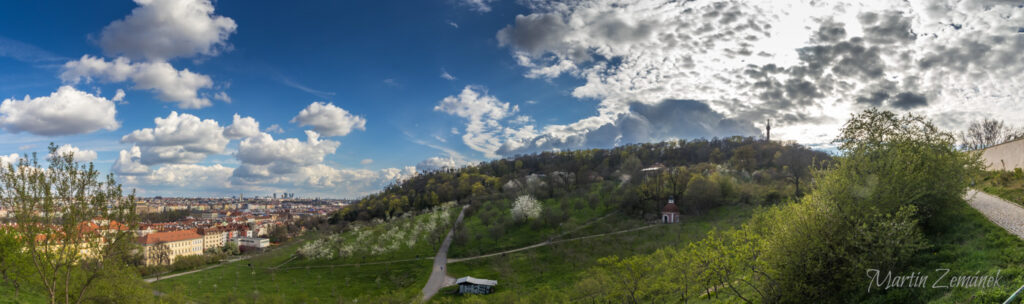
151	280
545	243
439	277
1008	215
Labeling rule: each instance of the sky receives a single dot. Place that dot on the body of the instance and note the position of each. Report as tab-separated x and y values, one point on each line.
341	98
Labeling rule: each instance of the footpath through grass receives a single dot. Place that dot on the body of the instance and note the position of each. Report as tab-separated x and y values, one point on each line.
560	265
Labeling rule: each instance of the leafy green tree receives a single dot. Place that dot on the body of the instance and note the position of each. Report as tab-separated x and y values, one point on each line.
73	227
701	193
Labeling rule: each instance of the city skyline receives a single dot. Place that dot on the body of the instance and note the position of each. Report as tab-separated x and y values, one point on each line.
336	100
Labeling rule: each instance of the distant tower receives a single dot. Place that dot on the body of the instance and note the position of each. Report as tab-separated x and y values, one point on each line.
768	131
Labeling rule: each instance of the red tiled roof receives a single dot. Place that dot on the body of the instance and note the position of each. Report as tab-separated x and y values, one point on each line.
170	236
670	207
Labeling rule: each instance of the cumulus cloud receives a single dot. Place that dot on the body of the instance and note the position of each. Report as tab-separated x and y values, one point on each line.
65	112
11	159
329	120
670	119
118	96
165	29
807	69
78	154
439	163
170	84
197	178
129	162
264	158
242	127
486	115
178	138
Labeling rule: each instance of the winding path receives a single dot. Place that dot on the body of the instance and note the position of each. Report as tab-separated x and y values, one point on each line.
1008	215
154	279
439	277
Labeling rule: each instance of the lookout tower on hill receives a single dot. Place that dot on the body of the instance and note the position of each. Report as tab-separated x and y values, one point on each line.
768	130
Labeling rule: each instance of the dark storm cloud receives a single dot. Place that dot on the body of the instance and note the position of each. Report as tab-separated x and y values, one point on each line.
668	119
908	100
887	28
875	99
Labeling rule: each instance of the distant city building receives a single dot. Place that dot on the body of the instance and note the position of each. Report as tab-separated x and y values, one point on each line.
165	247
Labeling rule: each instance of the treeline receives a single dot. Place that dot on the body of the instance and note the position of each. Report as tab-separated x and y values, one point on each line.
896	184
551	174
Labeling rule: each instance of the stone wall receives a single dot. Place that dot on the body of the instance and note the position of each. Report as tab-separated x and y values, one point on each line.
1006	156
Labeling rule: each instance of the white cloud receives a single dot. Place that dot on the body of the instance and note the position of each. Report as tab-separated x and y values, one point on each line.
263	154
184	176
439	163
242	127
274	128
119	96
129	163
65	112
9	159
329	120
446	76
222	96
366	161
484	131
453	24
165	29
79	154
482	6
169	83
807	69
178	138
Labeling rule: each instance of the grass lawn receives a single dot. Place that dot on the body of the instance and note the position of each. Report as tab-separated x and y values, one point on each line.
298	281
490	228
560	265
1005	184
24	296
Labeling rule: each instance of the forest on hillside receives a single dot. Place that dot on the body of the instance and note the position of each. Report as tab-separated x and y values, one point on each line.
735	169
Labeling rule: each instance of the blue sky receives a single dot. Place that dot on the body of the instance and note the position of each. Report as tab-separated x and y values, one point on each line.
390	88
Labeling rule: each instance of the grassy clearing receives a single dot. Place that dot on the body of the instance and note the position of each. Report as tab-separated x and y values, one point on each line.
1008	185
401	238
490	227
24	296
560	265
279	276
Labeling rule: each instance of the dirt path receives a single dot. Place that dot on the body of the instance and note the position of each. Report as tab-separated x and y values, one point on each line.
439	276
545	243
1008	215
151	280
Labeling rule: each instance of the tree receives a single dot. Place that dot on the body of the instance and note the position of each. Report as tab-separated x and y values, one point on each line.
796	163
13	264
160	255
701	193
73	227
526	207
986	133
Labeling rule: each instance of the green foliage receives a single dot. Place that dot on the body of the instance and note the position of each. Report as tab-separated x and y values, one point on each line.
701	194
